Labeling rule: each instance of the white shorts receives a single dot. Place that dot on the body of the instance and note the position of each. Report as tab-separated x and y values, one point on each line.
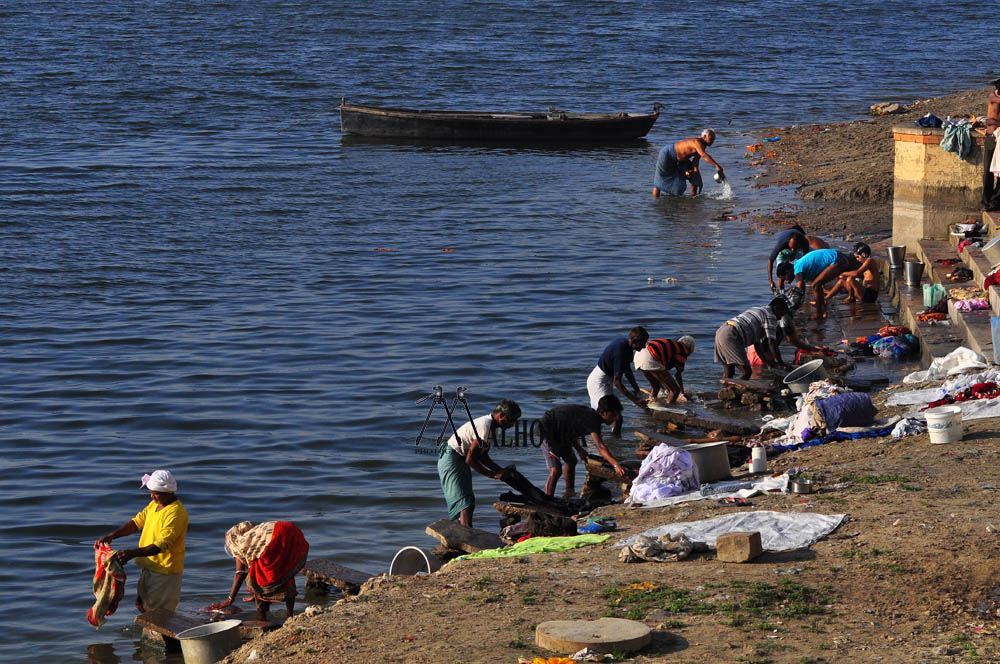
644	361
599	384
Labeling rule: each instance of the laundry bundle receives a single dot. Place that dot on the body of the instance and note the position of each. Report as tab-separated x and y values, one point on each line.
109	585
890	341
667	471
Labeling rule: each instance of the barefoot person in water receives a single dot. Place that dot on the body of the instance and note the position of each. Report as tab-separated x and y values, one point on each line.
677	164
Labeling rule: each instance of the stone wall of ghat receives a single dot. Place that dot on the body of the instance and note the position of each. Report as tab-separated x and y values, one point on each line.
932	188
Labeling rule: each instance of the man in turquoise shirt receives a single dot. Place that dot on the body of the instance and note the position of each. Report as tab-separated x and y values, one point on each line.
817	267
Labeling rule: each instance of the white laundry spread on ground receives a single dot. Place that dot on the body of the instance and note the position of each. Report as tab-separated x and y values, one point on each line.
779	531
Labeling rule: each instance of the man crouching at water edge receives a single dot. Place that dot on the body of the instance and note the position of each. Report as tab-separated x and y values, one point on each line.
757	327
818	267
470	448
678	163
615	362
657	359
164	524
562	428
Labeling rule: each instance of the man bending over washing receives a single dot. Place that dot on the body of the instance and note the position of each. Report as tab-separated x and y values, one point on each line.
678	163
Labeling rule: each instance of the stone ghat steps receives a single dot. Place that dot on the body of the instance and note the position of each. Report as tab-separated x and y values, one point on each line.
970	329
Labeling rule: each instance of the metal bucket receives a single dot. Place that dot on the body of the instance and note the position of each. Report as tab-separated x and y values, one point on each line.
410	560
210	643
798	380
992	251
897	253
913	271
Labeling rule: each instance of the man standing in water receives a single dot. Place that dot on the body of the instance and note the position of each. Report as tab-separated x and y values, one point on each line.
562	428
678	163
164	524
615	362
467	450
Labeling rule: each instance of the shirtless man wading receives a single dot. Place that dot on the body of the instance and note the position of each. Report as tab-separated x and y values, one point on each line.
678	163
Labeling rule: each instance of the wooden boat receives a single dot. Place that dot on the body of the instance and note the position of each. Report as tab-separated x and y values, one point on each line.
553	126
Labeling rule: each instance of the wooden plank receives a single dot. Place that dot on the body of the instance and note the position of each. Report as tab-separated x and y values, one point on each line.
654	438
456	536
707	422
323	570
757	385
166	623
599	470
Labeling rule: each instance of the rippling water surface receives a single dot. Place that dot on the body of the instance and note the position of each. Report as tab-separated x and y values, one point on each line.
200	273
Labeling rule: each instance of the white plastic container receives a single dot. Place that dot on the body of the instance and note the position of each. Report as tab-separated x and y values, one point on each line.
944	424
758	460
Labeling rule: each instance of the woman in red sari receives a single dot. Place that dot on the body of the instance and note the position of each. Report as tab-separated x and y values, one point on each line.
268	556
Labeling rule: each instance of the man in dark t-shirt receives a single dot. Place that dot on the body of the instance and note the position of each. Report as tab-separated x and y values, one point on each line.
562	428
615	362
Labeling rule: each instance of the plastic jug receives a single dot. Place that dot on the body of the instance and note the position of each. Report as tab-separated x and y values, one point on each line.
933	293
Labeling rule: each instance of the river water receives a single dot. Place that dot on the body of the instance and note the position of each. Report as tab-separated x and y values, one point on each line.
200	273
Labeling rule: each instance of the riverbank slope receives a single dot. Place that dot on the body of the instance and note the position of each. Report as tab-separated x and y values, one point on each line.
910	575
842	172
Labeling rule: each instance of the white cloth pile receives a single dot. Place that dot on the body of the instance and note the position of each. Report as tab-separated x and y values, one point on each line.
942	366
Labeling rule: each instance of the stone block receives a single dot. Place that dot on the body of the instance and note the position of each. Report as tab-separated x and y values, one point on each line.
738	547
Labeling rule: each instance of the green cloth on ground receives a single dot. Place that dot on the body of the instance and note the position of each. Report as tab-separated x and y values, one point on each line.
539	545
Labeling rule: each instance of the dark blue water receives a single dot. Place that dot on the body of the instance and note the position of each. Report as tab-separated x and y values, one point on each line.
192	264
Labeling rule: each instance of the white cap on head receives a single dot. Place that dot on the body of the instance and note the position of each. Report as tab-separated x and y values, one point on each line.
160	480
688	342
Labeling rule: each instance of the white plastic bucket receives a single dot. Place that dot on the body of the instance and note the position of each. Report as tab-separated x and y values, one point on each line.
210	643
944	424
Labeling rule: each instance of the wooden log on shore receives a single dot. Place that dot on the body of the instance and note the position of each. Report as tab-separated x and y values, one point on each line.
325	572
706	422
757	385
654	438
456	536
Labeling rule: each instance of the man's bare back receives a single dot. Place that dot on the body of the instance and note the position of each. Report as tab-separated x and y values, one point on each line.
693	149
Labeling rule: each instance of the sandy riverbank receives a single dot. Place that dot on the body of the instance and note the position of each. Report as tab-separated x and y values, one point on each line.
843	172
912	575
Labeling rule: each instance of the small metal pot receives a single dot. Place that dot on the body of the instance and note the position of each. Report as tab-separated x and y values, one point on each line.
802	486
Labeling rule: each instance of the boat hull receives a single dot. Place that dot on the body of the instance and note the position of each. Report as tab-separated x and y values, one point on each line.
489	126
